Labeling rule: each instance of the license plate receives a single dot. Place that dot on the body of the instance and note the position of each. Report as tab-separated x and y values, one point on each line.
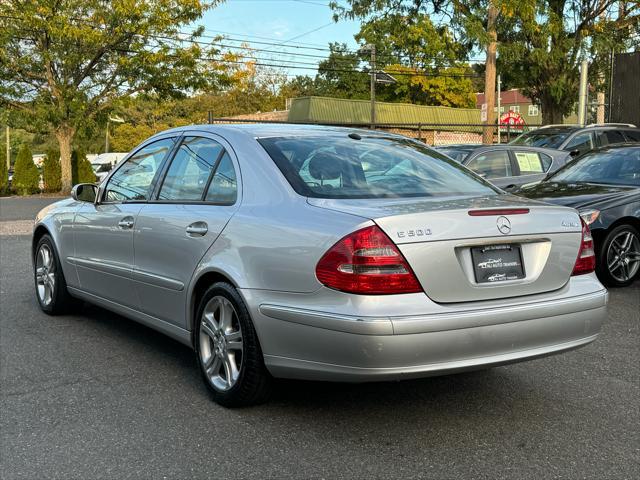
497	263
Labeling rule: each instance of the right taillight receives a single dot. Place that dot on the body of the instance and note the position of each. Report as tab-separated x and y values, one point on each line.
586	261
369	263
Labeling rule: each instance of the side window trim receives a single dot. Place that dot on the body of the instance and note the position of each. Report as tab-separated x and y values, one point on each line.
214	169
102	194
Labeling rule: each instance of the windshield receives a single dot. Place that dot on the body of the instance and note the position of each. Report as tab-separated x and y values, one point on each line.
370	167
542	139
619	166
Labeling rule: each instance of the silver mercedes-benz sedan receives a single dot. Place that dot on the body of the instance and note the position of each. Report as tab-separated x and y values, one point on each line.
319	253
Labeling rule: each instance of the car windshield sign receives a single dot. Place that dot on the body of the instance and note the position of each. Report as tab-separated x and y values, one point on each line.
620	166
370	167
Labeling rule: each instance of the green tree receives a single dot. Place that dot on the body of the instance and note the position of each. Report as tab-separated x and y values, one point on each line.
26	177
540	42
4	173
340	74
81	168
66	63
51	174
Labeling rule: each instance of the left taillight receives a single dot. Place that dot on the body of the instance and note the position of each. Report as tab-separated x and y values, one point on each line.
586	261
367	262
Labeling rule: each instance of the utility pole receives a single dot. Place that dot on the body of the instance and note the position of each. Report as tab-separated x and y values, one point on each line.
106	135
582	97
372	49
499	109
490	74
8	149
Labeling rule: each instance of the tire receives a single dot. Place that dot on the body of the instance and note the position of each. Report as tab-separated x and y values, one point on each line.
51	287
228	351
619	258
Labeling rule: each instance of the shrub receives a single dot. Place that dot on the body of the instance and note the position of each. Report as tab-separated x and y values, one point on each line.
26	176
81	171
51	173
4	173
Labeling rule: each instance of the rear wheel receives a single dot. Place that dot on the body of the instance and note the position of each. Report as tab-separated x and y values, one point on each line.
228	350
619	261
51	287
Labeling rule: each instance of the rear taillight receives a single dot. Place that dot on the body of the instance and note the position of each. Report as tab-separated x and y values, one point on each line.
586	262
367	262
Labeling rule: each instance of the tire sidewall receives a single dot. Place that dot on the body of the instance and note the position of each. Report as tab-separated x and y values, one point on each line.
60	285
602	269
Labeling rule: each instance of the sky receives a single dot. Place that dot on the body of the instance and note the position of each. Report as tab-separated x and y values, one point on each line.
303	23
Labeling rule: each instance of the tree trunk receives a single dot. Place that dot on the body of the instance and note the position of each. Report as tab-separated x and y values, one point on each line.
551	112
490	75
64	134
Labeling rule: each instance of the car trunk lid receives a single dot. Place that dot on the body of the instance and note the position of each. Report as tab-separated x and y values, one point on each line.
455	244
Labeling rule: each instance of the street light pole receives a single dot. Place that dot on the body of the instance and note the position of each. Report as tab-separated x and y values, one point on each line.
106	135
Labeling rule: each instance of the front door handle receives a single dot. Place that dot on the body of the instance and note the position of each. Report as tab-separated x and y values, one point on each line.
126	223
197	229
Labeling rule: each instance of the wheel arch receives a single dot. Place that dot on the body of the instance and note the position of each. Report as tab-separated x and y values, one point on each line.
204	281
601	234
39	232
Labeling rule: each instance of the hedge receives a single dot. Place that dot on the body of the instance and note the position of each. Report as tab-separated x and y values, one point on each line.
51	173
26	176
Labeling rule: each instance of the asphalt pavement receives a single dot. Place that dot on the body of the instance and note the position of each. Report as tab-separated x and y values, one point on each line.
94	395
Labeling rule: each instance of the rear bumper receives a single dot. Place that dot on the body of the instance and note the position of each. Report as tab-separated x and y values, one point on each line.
299	342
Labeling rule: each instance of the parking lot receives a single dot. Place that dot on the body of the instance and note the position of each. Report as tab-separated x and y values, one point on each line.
93	395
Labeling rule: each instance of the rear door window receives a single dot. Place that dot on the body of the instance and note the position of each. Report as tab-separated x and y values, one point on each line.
610	137
190	169
531	163
632	135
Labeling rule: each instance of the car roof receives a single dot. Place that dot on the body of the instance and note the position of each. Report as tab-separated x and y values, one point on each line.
265	130
548	151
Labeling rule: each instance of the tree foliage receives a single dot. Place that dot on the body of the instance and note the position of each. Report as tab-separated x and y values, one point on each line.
540	42
51	173
26	177
67	62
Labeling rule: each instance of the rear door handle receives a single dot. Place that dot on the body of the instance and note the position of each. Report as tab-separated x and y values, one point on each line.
126	223
197	229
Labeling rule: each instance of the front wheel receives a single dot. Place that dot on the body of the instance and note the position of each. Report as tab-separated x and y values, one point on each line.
228	350
51	287
619	260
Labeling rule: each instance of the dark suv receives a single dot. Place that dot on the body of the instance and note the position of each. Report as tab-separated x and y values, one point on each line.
578	140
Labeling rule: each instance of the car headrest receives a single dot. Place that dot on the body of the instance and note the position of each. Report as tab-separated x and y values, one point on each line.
326	166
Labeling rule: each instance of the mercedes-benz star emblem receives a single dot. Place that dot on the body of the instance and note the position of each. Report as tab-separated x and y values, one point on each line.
504	225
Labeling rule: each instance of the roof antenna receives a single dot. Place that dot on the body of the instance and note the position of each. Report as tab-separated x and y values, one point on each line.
355	136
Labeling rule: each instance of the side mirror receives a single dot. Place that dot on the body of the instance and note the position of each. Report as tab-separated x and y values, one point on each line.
84	192
574	153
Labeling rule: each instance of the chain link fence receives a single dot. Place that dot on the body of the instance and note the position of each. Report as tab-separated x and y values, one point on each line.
430	133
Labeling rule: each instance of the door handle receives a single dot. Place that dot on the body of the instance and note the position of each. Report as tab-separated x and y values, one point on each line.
197	229
126	223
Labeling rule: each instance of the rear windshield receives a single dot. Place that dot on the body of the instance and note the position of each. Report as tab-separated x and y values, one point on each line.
542	139
370	167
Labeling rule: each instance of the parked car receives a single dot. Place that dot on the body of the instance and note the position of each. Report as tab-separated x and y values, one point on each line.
103	163
578	140
457	151
604	185
319	253
509	166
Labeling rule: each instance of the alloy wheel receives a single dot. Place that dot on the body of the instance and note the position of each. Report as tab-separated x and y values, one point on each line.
221	345
623	256
45	274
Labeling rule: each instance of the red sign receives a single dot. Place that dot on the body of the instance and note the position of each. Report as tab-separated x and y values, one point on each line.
512	119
